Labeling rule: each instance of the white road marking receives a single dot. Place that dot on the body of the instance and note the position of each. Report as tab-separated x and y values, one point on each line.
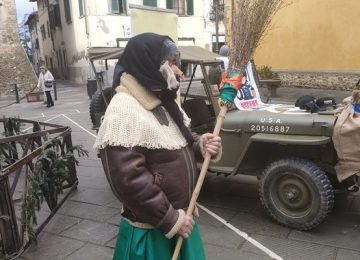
218	218
42	114
52	118
242	234
44	121
66	91
77	111
83	128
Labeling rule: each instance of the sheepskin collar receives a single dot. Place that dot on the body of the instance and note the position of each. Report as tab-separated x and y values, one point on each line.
144	96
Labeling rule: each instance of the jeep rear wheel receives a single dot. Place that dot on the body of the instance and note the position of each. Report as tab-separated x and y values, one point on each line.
296	193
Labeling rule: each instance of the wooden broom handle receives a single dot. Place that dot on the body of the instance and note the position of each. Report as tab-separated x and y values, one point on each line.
200	181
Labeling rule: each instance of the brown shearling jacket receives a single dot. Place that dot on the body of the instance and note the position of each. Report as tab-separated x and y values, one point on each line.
152	184
149	165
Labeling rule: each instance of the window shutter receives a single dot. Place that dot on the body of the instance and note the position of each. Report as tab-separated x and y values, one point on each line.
121	7
67	11
169	4
190	7
57	16
150	3
81	8
115	6
51	14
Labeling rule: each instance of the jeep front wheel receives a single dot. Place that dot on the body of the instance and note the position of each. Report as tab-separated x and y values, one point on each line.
98	104
296	193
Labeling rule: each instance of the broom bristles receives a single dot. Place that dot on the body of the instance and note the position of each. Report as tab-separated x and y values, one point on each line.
250	20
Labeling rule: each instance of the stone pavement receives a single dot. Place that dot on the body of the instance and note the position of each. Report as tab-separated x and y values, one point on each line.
86	226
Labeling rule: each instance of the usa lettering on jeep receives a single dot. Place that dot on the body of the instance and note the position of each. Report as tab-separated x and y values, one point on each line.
270	120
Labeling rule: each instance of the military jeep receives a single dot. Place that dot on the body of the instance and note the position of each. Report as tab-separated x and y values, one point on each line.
291	152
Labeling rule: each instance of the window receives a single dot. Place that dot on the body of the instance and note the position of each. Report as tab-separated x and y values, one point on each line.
65	59
57	58
57	15
67	11
117	6
60	59
150	3
43	34
183	7
37	43
52	19
81	8
48	28
54	16
51	64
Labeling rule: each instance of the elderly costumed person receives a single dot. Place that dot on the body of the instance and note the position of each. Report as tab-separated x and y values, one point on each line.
149	153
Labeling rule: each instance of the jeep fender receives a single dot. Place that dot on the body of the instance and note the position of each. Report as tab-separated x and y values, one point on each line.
290	139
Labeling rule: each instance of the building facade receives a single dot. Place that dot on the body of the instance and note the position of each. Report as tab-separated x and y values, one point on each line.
32	22
313	43
15	67
67	28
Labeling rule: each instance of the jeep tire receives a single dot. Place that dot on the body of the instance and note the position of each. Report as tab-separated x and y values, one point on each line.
296	193
98	104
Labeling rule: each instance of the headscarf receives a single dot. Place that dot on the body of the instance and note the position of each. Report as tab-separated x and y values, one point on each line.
142	58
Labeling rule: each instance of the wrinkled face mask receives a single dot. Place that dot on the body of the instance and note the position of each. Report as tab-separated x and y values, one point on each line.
170	53
170	63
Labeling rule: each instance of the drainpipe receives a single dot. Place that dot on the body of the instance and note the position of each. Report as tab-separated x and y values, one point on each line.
86	21
217	25
87	30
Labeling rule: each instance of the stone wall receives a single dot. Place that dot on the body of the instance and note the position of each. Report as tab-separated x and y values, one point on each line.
15	66
321	80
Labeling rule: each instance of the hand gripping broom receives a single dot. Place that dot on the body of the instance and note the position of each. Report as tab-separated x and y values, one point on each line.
250	19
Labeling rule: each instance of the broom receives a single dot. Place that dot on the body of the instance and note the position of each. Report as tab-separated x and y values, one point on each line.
250	19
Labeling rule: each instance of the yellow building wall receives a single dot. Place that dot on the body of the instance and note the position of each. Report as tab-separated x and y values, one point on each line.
313	35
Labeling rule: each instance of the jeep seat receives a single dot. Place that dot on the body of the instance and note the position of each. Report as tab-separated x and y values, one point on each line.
199	113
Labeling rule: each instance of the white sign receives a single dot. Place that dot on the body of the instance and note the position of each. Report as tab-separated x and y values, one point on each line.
248	96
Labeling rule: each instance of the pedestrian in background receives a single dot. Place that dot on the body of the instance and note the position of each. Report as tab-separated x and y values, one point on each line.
45	83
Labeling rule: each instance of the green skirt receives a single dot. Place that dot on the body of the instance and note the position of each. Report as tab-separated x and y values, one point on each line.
135	243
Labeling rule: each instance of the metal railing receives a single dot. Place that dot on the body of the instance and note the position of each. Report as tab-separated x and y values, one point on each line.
22	150
18	93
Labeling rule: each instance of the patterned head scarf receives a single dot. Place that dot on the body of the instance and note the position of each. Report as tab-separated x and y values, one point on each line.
143	56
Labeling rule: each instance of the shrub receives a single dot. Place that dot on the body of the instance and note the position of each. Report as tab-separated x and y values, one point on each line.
265	72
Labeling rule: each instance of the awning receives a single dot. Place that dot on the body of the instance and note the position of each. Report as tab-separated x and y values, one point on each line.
193	54
104	53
